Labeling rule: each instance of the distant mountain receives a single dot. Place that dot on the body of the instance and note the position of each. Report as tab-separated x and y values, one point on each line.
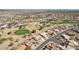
39	10
23	10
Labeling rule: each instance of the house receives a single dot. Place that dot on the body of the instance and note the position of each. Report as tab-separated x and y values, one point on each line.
3	26
39	39
29	43
56	30
21	47
66	36
50	32
52	46
44	35
73	43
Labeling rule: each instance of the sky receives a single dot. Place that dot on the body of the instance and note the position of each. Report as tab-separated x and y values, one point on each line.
39	4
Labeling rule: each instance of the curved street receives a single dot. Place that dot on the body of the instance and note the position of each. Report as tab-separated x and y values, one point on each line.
52	39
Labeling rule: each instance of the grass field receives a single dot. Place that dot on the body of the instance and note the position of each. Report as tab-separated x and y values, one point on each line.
21	31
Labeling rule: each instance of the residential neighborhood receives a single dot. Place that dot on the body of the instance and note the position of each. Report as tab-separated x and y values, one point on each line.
42	30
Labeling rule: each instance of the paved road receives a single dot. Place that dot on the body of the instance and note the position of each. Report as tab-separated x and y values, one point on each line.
54	39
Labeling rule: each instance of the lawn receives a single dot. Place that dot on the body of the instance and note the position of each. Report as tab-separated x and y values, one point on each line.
2	40
21	31
28	48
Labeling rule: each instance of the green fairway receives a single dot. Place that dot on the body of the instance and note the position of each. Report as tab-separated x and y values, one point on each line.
21	31
64	22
